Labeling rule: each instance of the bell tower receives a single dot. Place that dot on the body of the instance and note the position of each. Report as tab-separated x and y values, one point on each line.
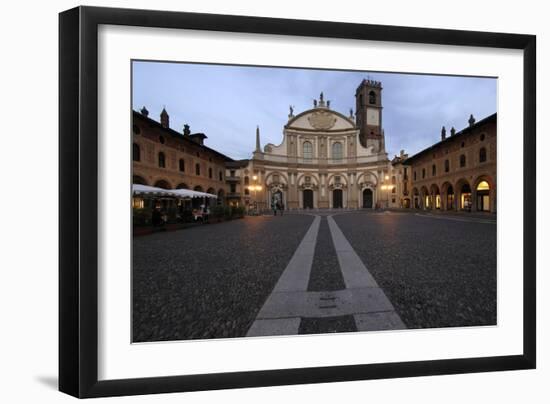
368	116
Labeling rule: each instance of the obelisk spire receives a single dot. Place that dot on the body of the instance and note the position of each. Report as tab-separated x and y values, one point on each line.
258	148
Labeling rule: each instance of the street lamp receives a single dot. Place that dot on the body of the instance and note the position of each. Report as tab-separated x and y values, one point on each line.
255	188
387	187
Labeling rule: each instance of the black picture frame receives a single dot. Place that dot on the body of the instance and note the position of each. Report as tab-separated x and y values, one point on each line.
78	200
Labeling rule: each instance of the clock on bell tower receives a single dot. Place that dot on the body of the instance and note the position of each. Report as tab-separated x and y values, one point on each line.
368	98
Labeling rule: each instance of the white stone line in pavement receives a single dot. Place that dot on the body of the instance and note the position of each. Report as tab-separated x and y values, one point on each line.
290	301
325	304
295	278
356	276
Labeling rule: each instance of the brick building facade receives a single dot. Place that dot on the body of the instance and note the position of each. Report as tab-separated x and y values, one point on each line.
457	173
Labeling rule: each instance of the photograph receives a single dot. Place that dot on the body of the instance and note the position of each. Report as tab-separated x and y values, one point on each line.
282	201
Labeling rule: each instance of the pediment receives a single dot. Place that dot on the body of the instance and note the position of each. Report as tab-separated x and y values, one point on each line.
321	119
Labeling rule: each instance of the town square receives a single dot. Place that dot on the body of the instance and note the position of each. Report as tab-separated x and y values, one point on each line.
319	230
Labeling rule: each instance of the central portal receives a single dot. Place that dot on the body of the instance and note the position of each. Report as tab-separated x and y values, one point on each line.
308	199
367	198
337	199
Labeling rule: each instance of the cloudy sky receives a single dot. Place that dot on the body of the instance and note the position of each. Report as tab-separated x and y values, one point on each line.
228	102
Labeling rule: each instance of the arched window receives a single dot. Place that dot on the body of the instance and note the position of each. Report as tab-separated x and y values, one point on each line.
246	180
308	150
209	172
446	166
197	169
462	160
162	160
434	170
182	165
136	152
337	151
246	191
220	175
423	173
482	155
372	97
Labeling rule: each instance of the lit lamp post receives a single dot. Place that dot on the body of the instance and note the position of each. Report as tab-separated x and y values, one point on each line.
255	188
386	187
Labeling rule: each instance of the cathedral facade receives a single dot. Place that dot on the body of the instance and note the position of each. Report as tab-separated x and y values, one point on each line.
326	159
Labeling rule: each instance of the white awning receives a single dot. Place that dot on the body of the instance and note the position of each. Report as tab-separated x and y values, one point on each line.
139	189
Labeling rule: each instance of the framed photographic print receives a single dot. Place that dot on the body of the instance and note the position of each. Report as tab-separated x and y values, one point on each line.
251	201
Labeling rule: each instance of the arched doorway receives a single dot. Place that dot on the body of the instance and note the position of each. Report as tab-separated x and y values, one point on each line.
465	197
436	197
483	198
450	198
367	198
307	195
425	198
337	199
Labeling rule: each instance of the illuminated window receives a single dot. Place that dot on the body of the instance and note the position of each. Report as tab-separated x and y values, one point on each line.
337	151
308	150
137	203
483	186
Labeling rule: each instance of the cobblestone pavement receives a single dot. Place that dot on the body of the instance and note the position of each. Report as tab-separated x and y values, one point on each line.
436	271
215	281
209	281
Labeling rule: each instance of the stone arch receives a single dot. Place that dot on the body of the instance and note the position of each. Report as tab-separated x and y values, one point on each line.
424	197
281	175
343	176
314	178
138	179
162	183
447	196
364	178
198	188
492	192
463	192
435	196
182	185
415	198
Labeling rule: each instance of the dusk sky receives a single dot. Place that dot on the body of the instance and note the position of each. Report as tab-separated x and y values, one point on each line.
228	102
